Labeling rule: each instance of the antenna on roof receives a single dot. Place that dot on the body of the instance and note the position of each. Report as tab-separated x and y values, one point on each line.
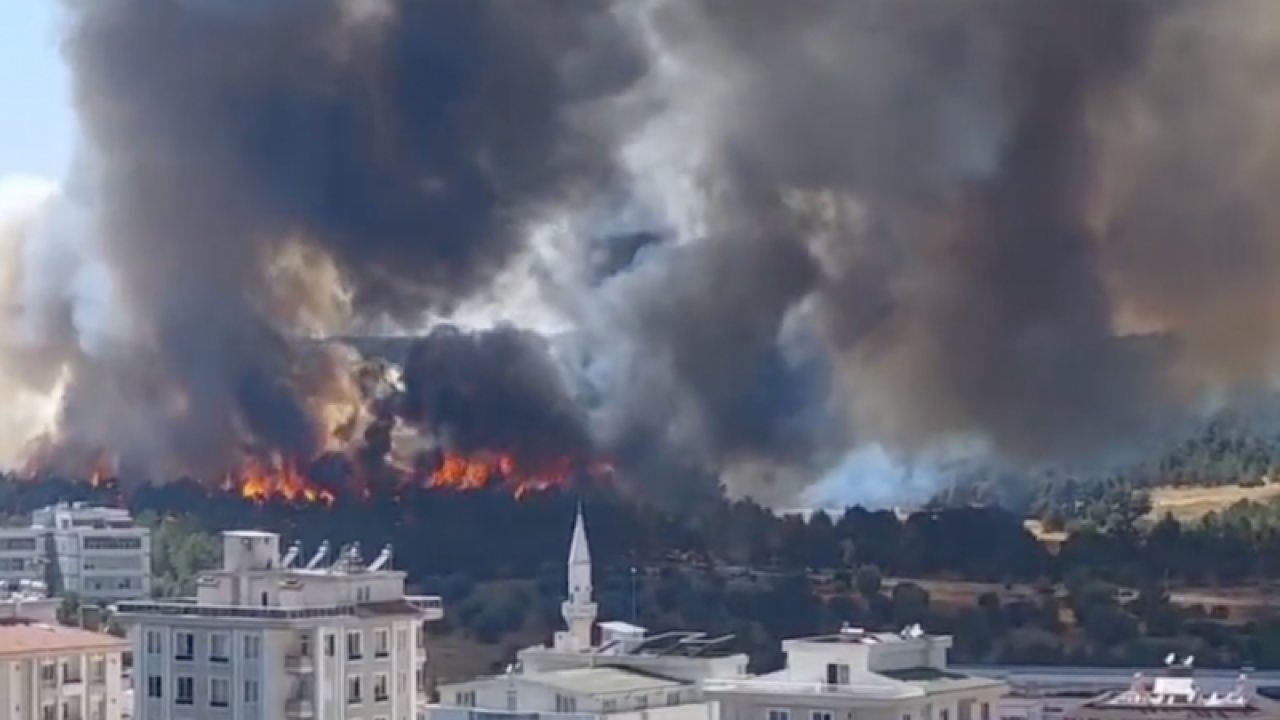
322	553
292	556
383	559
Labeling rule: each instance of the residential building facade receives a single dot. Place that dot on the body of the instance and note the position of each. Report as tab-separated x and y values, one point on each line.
96	553
856	674
264	639
22	556
49	672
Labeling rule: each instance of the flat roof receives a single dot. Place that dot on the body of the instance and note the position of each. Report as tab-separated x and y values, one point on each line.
19	637
603	680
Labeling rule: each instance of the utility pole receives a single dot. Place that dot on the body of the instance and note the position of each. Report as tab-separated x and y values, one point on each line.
634	598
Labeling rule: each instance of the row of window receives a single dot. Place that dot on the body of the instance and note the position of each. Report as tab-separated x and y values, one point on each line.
71	671
219	645
784	714
381	688
71	710
112	543
184	690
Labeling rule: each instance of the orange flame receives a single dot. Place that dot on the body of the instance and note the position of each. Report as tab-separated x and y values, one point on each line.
259	481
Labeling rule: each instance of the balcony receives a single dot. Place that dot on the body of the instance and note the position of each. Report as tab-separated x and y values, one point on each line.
431	606
299	709
298	664
851	691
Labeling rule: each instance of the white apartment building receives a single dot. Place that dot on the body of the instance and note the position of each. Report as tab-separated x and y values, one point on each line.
95	552
856	675
22	556
49	672
626	675
265	639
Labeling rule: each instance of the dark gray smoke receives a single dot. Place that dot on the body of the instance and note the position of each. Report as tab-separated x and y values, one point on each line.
1041	228
494	390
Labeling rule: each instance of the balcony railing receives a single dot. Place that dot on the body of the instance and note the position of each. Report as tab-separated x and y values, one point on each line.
851	691
429	606
299	664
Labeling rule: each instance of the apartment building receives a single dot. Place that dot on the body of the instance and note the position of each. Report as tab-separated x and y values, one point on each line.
22	556
871	676
51	672
97	553
268	638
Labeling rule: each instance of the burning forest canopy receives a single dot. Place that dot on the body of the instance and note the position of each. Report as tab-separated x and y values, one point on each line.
676	243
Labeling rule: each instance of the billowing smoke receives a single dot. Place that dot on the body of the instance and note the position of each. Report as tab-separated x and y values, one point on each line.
764	237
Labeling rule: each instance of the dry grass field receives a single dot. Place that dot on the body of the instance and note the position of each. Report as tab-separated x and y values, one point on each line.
1190	503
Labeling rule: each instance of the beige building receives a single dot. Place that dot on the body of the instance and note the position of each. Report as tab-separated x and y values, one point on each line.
596	671
268	638
49	672
856	675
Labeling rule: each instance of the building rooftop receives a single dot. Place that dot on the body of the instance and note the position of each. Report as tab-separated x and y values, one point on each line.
21	637
602	680
1179	693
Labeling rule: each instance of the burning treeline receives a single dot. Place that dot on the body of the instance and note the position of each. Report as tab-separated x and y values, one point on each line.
737	241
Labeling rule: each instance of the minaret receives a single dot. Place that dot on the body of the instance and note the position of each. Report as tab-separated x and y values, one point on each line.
579	610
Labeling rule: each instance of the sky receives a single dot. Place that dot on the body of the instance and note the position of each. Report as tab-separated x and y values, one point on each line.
36	119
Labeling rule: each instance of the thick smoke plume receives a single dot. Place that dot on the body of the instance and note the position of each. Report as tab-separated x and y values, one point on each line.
758	237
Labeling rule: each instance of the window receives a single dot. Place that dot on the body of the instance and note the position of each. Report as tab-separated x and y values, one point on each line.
113	543
465	698
673	697
48	712
381	693
566	704
184	692
219	692
945	714
97	670
184	646
330	645
610	706
251	691
512	699
304	645
155	686
354	651
821	715
98	710
642	702
381	643
986	711
219	648
353	689
906	716
402	639
252	647
48	674
18	543
837	674
779	715
71	671
71	710
153	642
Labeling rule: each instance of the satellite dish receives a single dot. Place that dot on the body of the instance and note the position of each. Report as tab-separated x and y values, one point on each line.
1170	659
1187	662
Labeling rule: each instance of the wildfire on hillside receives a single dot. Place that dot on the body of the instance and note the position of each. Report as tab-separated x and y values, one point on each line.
283	480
